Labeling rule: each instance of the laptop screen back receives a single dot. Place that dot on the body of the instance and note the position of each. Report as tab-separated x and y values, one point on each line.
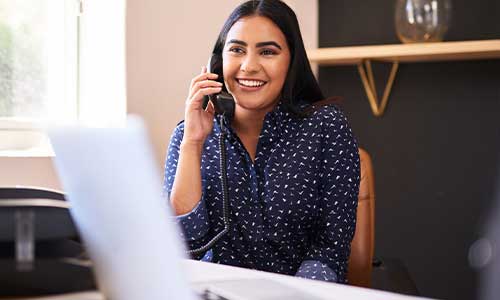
114	190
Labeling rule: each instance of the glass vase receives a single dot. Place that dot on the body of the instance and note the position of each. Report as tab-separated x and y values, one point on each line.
422	20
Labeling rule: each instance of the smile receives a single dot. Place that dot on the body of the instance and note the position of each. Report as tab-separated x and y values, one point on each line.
250	83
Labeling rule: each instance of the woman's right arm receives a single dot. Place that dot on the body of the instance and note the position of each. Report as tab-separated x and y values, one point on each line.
198	123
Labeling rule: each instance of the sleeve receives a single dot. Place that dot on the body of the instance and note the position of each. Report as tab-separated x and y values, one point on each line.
195	224
328	256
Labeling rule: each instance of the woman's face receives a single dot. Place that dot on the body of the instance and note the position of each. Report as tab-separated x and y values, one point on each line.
255	63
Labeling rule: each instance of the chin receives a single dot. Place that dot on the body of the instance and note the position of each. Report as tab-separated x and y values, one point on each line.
250	104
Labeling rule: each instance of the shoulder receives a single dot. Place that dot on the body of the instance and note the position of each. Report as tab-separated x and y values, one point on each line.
330	110
179	126
321	117
179	129
327	116
333	125
177	134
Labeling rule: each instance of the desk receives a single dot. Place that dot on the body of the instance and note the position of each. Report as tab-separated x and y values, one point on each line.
200	272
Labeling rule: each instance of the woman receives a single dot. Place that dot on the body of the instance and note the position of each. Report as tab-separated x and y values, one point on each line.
292	162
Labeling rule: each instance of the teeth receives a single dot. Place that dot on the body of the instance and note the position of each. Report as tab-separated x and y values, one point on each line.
251	83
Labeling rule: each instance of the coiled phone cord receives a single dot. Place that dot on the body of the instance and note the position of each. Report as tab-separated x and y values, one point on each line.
225	201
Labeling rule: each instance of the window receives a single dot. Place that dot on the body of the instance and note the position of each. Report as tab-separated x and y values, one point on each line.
61	61
38	59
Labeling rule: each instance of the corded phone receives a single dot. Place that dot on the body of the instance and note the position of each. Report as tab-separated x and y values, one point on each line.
223	102
224	107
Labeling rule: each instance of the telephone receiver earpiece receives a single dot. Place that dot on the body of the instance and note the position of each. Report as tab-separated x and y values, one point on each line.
223	102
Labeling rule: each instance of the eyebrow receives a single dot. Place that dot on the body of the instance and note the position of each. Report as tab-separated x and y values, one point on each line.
259	45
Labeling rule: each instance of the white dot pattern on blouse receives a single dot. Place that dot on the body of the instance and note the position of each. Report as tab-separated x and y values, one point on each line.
292	210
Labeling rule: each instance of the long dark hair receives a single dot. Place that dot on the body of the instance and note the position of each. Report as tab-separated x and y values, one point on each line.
300	85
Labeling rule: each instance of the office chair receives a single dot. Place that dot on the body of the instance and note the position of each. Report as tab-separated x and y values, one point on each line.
364	270
37	253
363	244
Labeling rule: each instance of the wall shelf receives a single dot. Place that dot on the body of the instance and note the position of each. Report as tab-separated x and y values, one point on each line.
362	56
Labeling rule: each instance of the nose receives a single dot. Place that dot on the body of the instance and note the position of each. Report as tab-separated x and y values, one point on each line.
250	64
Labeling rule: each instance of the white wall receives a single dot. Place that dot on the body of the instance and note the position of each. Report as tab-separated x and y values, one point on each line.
307	13
166	46
28	171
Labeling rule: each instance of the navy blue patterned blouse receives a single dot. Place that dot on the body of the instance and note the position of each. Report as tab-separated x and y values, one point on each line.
292	210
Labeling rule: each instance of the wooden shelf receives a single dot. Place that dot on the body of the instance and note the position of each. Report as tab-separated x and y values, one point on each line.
418	52
362	56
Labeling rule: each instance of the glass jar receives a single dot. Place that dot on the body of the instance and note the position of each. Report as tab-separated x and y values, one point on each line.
422	20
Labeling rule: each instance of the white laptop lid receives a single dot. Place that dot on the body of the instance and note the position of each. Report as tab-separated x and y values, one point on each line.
114	190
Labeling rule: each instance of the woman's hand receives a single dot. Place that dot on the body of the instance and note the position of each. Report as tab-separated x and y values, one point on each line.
198	123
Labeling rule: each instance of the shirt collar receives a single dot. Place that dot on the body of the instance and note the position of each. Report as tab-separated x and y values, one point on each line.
274	122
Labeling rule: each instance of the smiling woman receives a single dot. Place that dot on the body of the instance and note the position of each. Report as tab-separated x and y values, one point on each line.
292	161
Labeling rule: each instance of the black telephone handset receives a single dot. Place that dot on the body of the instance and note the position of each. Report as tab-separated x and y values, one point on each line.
224	107
223	102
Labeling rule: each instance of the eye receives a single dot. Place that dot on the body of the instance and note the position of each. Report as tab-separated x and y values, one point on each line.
237	50
268	52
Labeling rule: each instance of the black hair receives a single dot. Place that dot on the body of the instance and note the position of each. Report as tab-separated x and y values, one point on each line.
300	85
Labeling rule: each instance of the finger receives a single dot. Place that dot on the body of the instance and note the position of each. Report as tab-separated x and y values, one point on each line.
197	98
203	84
203	76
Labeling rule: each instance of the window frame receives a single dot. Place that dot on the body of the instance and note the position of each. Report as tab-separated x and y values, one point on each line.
31	131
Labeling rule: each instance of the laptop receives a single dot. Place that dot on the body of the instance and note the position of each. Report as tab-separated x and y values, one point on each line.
114	190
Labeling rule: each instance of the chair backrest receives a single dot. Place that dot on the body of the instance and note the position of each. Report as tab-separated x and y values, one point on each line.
363	243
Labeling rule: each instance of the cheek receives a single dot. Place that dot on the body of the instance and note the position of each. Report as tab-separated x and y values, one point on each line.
279	71
229	68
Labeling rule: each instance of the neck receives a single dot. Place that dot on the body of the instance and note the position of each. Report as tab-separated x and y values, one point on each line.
249	122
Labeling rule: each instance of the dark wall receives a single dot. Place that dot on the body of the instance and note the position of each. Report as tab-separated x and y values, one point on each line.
436	149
